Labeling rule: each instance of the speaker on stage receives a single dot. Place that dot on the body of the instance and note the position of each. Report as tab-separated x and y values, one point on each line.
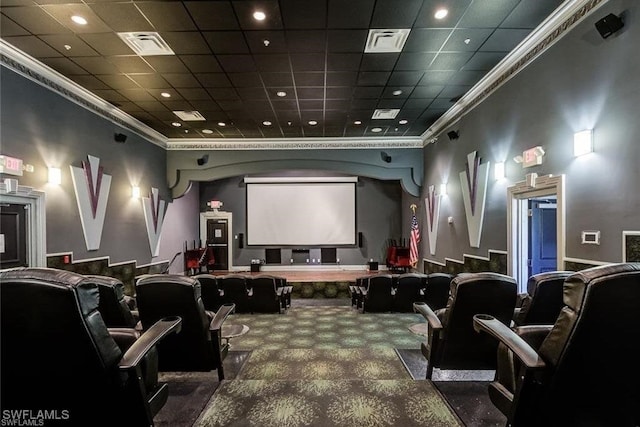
360	239
240	240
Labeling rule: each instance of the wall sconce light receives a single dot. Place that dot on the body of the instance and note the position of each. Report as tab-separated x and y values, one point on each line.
582	142
498	171
55	176
443	189
135	192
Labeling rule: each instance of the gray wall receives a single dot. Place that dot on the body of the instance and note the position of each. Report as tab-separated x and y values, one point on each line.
378	206
45	129
583	81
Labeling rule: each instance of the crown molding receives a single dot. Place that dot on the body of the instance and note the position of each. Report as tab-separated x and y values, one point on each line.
293	144
552	29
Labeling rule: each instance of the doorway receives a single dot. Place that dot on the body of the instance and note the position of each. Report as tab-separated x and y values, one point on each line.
536	227
215	232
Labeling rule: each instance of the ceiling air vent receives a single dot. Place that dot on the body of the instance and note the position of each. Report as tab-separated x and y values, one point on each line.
388	114
190	116
146	44
385	41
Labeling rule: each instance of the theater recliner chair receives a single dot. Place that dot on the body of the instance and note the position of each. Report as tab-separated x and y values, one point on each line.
113	304
452	342
199	346
59	356
581	371
543	301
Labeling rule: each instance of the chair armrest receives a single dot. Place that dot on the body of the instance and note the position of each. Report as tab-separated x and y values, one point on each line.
522	350
221	315
427	313
148	340
279	292
124	337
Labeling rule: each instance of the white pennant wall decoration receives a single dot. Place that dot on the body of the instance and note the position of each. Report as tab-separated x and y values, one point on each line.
154	209
432	203
473	181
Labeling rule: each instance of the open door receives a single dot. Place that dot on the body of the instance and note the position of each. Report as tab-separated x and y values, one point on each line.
542	235
13	235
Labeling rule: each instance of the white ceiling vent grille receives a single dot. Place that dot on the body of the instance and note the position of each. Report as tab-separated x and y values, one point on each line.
146	44
190	116
385	41
388	114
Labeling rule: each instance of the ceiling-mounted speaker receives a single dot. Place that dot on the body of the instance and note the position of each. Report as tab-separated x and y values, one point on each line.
203	160
609	25
120	137
453	134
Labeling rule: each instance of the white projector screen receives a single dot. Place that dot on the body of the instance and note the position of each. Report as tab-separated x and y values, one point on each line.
301	213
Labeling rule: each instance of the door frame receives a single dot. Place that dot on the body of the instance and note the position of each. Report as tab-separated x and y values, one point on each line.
517	219
34	201
215	214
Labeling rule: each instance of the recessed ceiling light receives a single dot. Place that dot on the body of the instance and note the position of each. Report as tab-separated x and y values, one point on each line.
397	92
186	131
259	16
281	93
266	42
207	131
165	95
222	124
289	123
266	123
79	20
467	41
68	47
376	130
313	122
357	122
403	122
441	13
176	124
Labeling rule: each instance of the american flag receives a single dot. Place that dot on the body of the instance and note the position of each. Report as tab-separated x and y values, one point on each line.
415	240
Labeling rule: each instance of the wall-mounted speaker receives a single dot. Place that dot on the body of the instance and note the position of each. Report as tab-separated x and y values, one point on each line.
203	160
360	239
241	240
453	134
120	137
609	25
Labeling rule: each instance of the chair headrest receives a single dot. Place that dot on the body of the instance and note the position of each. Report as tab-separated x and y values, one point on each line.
167	278
575	286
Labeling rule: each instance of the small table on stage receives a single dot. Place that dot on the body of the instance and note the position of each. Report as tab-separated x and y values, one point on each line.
232	331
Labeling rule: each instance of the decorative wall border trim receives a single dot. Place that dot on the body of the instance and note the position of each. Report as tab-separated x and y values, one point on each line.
542	38
293	144
496	262
586	261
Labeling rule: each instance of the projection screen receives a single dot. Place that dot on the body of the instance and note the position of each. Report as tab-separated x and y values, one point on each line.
301	211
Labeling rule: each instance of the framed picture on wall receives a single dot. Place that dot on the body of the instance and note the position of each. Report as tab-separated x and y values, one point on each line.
631	246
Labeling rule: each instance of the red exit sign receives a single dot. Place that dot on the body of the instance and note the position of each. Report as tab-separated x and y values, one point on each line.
10	165
532	157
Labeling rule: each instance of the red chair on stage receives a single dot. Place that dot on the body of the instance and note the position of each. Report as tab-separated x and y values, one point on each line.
195	260
398	258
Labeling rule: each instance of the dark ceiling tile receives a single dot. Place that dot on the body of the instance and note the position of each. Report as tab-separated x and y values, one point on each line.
266	42
96	65
121	17
276	79
201	63
272	63
308	62
466	40
337	104
130	64
186	42
285	116
245	79
487	14
194	94
35	20
118	81
339	92
9	28
136	95
212	15
64	66
450	61
306	41
150	106
284	105
441	103
33	46
414	61
395	14
350	13
378	61
223	94
182	80
309	79
347	40
528	14
417	104
167	16
410	112
107	44
483	61
303	14
436	77
426	40
150	81
63	13
245	9
204	104
466	77
178	105
77	47
405	78
373	78
333	131
310	93
344	61
345	78
364	92
251	93
237	63
426	91
504	40
166	64
426	17
364	104
89	82
453	91
109	95
390	103
226	42
230	104
311	104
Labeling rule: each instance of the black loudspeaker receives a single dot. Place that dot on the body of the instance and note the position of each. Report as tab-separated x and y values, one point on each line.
360	239
203	160
119	137
240	240
609	25
453	134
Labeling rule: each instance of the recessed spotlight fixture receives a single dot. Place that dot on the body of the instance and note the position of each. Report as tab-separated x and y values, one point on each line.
222	124
207	131
266	42
259	16
176	124
467	41
266	123
313	122
67	47
403	122
376	130
357	122
186	131
397	92
289	123
79	20
165	95
281	93
441	13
